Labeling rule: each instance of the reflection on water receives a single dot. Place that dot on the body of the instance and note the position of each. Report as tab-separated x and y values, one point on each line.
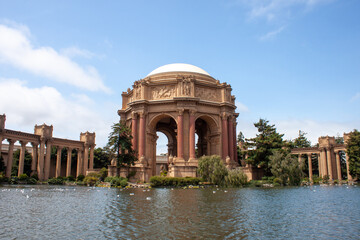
48	212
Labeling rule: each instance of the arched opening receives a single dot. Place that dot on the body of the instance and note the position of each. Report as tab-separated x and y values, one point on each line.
207	137
164	144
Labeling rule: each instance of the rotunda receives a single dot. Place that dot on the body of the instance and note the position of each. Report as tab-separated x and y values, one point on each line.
181	101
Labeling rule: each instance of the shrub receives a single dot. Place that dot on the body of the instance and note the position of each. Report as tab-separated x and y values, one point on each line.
56	181
80	178
123	183
14	180
108	179
159	181
35	175
31	180
117	181
163	174
236	178
23	177
90	180
103	173
277	181
212	169
3	178
70	178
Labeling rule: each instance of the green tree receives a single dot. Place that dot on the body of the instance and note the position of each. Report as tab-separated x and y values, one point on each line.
261	147
285	167
101	158
212	169
301	141
240	137
119	145
353	151
339	139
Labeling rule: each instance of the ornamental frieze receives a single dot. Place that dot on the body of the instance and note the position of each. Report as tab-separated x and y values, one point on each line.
208	94
163	92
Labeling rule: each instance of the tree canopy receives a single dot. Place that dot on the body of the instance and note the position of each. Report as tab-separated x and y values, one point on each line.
301	141
261	147
353	152
120	146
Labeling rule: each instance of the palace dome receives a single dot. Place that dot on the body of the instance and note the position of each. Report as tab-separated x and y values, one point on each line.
178	67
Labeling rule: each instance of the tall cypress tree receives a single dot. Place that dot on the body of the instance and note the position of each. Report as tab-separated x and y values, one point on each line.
353	151
261	147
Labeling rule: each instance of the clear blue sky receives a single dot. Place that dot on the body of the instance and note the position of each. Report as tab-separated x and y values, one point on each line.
293	62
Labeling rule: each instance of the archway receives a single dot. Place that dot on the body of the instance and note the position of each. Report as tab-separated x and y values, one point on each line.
165	126
207	134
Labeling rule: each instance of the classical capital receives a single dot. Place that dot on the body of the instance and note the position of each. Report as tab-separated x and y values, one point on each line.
34	144
180	111
23	143
224	116
142	114
134	115
10	141
192	112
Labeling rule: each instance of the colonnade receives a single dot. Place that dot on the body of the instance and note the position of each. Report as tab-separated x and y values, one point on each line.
42	142
328	161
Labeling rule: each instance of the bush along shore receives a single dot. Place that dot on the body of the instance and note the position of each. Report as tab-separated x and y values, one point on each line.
212	172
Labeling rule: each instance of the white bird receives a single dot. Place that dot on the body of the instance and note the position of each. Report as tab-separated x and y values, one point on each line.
214	191
132	194
27	196
118	195
148	198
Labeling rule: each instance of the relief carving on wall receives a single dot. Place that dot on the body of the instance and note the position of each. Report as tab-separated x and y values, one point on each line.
209	94
163	92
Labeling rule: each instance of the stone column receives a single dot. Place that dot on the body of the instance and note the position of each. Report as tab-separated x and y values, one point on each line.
310	167
328	153
324	166
224	129
86	159
10	158
235	143
192	135
338	166
47	160
58	161
231	138
349	177
142	136
91	161
79	162
21	158
68	162
34	156
1	139
319	164
299	158
134	130
40	167
180	135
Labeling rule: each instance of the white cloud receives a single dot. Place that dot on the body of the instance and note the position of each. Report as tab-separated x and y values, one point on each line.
24	107
241	107
271	35
355	97
77	52
16	50
275	9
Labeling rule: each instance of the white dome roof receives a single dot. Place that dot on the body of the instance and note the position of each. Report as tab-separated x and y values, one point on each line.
178	67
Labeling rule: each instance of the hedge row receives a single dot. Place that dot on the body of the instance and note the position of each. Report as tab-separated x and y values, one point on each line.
158	181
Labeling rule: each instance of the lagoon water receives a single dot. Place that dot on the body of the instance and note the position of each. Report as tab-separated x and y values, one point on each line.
66	212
